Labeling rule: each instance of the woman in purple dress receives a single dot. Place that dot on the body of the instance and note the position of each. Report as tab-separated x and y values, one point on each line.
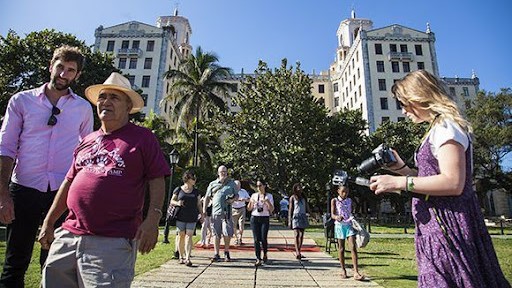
453	247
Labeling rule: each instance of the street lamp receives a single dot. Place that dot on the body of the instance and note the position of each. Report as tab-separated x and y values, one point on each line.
174	158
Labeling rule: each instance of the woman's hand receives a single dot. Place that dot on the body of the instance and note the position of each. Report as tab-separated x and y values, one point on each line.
387	183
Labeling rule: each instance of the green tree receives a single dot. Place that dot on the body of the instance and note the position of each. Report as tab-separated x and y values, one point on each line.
198	90
26	61
281	133
403	136
491	117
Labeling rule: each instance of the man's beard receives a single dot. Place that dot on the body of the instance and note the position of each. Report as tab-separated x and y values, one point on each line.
58	86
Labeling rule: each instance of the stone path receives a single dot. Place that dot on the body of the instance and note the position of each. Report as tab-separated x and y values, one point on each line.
318	269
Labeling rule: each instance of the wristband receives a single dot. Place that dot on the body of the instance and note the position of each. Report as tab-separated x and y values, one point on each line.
405	165
409	184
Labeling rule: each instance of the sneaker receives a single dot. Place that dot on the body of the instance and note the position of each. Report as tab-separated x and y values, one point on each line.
216	258
265	259
181	261
227	258
257	263
236	241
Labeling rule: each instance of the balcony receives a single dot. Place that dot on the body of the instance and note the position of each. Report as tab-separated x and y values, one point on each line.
129	52
400	56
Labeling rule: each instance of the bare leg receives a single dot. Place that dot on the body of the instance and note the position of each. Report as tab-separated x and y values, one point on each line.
341	257
188	244
216	244
181	245
353	252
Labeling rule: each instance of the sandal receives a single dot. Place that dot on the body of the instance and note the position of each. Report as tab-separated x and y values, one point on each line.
359	277
188	263
181	261
344	274
257	263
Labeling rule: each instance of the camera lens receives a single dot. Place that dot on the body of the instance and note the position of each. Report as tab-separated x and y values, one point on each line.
369	165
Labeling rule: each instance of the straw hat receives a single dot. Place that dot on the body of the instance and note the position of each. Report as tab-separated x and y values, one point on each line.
118	82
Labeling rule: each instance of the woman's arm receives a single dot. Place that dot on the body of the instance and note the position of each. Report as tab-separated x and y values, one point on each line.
250	206
449	182
333	210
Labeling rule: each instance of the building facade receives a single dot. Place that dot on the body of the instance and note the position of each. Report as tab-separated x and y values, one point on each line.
145	52
368	61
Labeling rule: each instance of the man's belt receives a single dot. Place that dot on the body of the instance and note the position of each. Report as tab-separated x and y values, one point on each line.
238	207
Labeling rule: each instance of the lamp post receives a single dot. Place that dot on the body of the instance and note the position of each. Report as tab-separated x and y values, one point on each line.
174	158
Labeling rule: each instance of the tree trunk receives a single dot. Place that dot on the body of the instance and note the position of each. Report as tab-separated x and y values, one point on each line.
196	138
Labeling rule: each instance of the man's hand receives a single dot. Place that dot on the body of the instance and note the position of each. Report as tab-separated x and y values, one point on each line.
147	234
46	236
6	208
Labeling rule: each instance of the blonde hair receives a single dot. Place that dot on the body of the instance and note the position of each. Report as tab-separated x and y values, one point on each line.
428	92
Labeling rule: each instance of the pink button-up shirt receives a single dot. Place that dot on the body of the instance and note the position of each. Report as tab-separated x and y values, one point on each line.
43	153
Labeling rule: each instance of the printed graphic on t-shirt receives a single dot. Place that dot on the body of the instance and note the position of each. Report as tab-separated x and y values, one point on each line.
100	160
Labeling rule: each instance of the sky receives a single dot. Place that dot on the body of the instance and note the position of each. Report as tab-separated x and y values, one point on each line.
470	35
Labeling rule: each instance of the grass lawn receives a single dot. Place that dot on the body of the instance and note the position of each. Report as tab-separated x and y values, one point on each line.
389	262
392	262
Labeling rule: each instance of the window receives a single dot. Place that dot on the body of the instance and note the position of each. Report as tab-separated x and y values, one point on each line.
145	81
131	79
452	91
401	119
151	45
358	73
398	105
124	44
419	49
378	49
465	90
360	91
135	44
335	87
382	84
421	65
384	119
145	98
392	47
170	55
403	48
394	66
353	62
133	63
122	63
321	88
406	66
110	46
147	63
384	103
336	101
380	66
357	56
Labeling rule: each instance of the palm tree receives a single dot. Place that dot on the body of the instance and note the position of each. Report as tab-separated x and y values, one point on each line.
198	87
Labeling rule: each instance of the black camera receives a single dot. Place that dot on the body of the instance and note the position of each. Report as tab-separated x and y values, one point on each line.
260	209
340	177
382	156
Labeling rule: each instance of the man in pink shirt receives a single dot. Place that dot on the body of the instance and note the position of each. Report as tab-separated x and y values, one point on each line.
40	129
104	192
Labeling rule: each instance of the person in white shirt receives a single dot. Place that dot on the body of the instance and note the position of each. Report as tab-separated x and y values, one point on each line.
239	212
262	206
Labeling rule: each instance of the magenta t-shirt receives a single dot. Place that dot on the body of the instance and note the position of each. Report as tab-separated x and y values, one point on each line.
107	178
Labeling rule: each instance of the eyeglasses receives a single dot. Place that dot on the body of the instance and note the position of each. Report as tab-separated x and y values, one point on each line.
53	120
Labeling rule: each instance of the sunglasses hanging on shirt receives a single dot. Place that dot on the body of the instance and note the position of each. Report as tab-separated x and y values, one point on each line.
53	120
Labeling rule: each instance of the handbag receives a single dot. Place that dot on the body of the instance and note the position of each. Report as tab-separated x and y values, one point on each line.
362	236
172	214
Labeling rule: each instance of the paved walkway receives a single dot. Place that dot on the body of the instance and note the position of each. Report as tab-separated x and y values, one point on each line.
318	269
